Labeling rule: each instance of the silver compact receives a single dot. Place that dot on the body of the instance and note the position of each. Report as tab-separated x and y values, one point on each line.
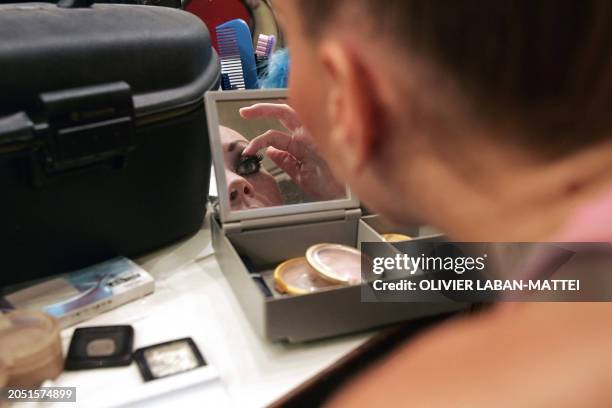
169	358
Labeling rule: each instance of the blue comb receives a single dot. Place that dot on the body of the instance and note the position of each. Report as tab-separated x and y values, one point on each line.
232	76
234	42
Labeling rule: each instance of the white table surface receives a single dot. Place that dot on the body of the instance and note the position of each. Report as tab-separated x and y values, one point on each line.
192	298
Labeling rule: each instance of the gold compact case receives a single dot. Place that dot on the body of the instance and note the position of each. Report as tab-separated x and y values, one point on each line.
396	237
297	277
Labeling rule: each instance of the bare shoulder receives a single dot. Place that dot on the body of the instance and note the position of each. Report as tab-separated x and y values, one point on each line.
538	354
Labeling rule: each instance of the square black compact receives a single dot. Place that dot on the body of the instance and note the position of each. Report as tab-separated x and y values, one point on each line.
169	358
98	347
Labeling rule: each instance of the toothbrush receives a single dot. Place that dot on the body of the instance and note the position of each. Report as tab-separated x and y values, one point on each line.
265	46
263	52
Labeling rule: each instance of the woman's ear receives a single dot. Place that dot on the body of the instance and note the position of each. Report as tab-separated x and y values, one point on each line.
352	106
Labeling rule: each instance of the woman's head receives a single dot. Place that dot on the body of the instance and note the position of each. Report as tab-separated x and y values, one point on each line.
428	99
249	185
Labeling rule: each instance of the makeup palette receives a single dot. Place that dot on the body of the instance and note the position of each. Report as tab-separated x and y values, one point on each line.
297	277
283	243
98	347
169	358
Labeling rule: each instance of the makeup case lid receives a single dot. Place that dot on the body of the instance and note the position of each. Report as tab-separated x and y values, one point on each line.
347	207
164	54
29	340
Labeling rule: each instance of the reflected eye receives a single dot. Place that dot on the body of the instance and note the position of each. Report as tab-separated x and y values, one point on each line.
248	165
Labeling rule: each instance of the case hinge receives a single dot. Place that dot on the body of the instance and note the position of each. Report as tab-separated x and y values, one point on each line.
296	219
87	125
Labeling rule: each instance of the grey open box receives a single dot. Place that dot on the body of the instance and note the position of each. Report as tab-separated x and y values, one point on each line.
250	243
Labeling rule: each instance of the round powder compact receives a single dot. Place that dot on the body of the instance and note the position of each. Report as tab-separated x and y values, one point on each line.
30	348
396	237
297	277
336	263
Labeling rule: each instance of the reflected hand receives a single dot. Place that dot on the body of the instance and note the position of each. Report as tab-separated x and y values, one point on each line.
293	151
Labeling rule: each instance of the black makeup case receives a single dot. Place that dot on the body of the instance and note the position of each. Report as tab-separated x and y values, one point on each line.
103	138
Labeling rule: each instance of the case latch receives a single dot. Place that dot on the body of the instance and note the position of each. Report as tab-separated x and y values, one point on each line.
87	125
16	133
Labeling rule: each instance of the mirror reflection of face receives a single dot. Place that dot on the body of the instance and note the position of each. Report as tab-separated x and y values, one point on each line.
254	190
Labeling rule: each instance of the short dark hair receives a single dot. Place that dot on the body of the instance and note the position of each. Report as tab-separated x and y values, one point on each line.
545	65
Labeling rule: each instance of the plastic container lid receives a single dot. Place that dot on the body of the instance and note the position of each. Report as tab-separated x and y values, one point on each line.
336	263
297	277
30	347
